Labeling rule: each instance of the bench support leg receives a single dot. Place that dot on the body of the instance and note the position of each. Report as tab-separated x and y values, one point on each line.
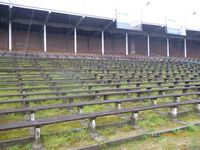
92	125
37	145
134	119
154	101
177	99
198	108
118	106
80	109
174	112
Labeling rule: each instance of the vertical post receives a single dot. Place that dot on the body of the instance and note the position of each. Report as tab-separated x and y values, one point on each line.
45	39
102	42
80	109
167	47
154	101
10	36
32	116
185	47
174	112
134	118
126	43
92	125
148	45
118	106
198	107
37	141
75	41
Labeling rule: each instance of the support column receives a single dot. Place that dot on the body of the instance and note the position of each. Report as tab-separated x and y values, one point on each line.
198	107
174	112
154	101
80	109
126	43
37	145
92	124
45	39
167	47
134	118
75	41
148	45
102	42
10	36
118	106
32	116
185	48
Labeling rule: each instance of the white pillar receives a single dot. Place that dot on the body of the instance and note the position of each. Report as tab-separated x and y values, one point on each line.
32	116
126	43
80	109
102	42
185	48
167	47
154	101
134	118
148	45
118	106
10	36
45	39
92	124
75	41
174	112
198	107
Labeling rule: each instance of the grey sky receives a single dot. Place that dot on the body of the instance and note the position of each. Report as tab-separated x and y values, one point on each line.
154	13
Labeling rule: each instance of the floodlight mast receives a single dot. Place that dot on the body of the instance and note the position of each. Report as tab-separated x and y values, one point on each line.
147	4
185	41
192	14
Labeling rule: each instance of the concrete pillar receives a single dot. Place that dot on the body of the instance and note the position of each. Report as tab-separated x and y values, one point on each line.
198	107
154	101
118	106
37	143
102	42
167	47
126	43
177	99
174	112
148	45
80	109
32	116
10	36
45	38
134	118
75	41
92	124
185	48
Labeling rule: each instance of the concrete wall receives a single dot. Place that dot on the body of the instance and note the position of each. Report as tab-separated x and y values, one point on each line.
158	46
23	41
115	44
176	47
3	36
193	49
59	40
138	45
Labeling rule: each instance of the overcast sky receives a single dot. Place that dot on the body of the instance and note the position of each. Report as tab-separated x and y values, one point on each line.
154	13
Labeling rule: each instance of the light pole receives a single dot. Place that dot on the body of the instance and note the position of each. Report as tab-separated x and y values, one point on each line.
194	13
185	41
148	3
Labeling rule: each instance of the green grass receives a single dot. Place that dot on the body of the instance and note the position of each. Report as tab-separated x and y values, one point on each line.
21	147
152	121
186	139
12	134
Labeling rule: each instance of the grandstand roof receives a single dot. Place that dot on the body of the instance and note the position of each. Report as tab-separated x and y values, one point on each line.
60	19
